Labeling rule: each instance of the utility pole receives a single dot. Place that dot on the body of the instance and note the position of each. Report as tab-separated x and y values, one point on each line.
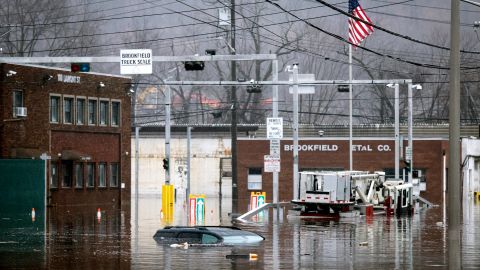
233	99
454	207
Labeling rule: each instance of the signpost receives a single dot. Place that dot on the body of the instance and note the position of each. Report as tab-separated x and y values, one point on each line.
408	153
275	147
136	61
271	163
274	128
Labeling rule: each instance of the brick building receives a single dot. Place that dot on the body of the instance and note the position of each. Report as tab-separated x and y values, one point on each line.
79	121
326	148
370	154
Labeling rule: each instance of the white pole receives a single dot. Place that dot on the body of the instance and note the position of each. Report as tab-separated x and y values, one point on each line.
350	106
275	114
295	131
410	130
187	191
397	131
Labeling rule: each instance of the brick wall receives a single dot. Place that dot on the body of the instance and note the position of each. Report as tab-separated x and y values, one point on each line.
428	155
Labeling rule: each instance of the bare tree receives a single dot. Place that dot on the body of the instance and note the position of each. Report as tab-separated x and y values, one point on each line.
42	27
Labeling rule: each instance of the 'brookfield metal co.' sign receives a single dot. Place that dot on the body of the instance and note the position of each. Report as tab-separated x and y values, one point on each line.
334	147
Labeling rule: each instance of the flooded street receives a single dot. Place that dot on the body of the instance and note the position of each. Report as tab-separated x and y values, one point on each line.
76	238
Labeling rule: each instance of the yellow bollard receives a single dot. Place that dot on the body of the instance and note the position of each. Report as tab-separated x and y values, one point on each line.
476	195
168	197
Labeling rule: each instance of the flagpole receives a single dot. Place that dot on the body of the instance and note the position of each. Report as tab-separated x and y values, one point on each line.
350	76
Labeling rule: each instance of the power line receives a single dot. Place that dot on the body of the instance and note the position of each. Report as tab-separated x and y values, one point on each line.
362	47
384	29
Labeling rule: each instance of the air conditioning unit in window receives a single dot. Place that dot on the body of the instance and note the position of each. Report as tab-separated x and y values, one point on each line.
21	111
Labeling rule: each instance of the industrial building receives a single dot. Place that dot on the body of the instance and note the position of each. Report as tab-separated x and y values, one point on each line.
321	148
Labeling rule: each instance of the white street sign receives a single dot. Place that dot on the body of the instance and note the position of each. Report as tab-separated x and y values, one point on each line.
136	61
303	89
271	163
408	153
44	156
275	147
274	128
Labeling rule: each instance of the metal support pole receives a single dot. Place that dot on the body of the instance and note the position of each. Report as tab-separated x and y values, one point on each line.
410	129
137	151
454	181
295	132
275	114
167	134
350	106
187	191
397	131
233	97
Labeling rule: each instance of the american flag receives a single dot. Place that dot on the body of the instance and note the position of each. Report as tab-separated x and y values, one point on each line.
357	30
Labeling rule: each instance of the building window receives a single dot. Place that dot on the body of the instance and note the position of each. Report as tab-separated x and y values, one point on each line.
102	175
17	101
80	111
115	113
104	113
92	112
53	175
54	109
255	178
67	174
79	175
90	174
114	174
68	110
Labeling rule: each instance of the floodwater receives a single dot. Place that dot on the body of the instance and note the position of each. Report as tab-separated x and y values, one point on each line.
74	238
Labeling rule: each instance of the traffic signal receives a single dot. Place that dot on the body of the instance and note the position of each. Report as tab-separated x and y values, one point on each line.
407	165
80	67
343	88
252	89
166	164
194	65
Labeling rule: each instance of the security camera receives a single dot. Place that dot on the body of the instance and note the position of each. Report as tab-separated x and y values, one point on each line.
252	81
417	86
390	85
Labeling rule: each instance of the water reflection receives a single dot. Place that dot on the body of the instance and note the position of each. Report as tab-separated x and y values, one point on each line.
74	238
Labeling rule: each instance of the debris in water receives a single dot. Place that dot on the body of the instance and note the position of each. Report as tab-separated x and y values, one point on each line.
184	245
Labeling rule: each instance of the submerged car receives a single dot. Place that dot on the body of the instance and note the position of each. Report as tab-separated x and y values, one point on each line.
205	235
